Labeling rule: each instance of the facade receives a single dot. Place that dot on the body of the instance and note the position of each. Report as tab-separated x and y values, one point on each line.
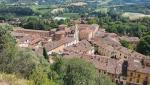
87	31
138	68
116	50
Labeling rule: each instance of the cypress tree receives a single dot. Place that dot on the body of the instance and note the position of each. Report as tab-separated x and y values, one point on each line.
45	53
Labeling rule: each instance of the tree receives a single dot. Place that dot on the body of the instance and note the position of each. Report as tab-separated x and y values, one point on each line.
40	76
35	23
103	80
144	45
76	71
92	21
7	48
45	54
79	72
24	62
124	43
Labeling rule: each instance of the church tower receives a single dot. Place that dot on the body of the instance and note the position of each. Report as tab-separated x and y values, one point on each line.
76	33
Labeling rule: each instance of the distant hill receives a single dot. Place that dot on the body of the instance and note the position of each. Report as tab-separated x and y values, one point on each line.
128	1
70	1
43	1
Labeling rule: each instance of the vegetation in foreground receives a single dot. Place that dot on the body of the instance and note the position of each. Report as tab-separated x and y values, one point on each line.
36	70
9	79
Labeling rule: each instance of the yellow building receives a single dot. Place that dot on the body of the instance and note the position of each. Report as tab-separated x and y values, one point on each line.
137	77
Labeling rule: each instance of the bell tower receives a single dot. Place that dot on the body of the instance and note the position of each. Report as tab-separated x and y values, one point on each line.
76	33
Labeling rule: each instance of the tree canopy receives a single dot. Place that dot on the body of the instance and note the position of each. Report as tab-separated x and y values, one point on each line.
144	45
78	72
115	23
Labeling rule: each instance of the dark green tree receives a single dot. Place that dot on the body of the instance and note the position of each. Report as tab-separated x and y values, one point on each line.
74	72
45	54
7	48
144	45
124	43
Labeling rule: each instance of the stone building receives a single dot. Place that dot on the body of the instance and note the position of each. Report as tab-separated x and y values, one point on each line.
41	33
83	47
58	46
132	40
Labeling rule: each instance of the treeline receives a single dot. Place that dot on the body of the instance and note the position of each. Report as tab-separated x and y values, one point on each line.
36	69
137	8
123	26
19	11
37	23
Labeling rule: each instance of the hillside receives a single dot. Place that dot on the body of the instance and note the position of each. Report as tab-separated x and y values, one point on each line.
128	1
44	1
70	1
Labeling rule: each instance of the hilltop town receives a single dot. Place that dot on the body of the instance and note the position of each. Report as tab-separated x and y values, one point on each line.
93	44
74	42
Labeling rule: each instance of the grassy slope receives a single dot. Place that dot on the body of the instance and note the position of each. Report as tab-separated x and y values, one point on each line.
9	79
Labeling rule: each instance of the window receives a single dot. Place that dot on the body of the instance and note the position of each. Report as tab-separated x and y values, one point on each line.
125	57
99	71
130	79
138	75
131	74
137	81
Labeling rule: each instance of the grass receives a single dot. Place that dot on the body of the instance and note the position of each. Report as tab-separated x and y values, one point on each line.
133	16
9	79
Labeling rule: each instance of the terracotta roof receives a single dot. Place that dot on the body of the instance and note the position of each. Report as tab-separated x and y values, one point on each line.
16	34
130	39
32	41
60	32
86	26
114	66
109	45
100	43
136	65
35	41
84	34
29	38
22	29
80	48
32	32
102	63
52	45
